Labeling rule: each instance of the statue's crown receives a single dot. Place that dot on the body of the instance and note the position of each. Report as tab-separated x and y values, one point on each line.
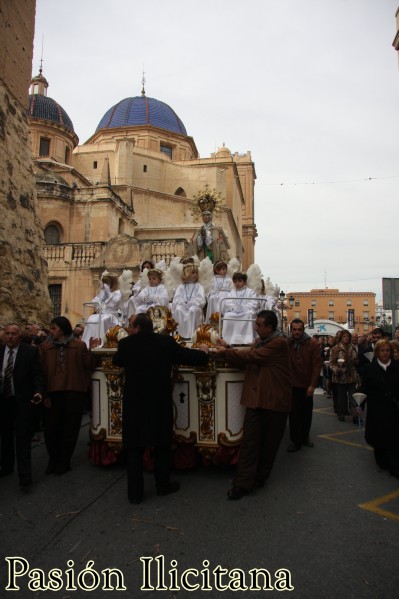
206	203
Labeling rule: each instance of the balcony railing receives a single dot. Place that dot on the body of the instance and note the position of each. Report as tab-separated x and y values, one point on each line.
81	255
77	254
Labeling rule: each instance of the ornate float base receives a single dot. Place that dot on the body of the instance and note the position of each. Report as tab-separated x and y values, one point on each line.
208	416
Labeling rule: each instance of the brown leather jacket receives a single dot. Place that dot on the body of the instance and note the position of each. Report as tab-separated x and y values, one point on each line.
267	382
305	363
68	367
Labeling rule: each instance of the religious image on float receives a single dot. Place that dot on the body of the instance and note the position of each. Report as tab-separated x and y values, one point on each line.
208	241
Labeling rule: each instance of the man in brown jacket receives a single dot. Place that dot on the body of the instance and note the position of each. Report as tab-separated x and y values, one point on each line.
266	396
306	364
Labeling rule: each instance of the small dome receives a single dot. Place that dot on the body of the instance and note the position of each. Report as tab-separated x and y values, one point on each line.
44	108
140	110
223	152
40	78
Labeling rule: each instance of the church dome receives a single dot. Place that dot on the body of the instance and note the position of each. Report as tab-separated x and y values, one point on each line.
140	110
223	152
46	109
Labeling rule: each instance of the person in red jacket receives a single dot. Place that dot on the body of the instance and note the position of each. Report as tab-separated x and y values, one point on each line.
305	361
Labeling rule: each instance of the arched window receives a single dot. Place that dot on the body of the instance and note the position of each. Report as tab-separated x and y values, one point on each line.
180	192
52	235
55	292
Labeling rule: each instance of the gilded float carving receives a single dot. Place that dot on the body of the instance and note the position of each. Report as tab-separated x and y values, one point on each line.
115	379
206	394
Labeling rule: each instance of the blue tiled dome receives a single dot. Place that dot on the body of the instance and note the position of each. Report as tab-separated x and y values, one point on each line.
141	110
43	107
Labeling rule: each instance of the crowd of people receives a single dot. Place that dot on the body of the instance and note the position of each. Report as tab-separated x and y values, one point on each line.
45	380
367	366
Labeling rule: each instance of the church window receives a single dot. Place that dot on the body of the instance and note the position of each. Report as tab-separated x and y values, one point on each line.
180	192
44	149
166	150
144	168
52	235
67	155
55	292
95	164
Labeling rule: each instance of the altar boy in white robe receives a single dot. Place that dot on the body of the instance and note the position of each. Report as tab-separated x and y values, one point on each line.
188	302
153	294
239	312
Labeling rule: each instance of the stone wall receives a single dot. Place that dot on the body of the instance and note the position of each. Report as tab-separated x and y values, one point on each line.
23	283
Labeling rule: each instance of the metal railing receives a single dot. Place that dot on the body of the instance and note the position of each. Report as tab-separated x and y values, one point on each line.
260	305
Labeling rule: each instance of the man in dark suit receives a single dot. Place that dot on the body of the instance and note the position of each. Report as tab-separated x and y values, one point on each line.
147	417
22	385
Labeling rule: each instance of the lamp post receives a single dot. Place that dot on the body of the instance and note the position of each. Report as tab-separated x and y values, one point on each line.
282	298
291	303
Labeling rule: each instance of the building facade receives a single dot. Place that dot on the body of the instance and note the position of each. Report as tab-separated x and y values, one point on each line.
332	304
128	193
23	290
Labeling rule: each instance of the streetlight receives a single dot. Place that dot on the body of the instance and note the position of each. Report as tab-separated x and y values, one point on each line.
282	298
290	305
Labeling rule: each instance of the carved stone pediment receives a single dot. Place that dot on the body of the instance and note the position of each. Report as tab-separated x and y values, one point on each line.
122	252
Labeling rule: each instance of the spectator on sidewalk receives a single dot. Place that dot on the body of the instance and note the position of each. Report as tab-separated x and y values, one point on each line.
22	386
305	359
67	364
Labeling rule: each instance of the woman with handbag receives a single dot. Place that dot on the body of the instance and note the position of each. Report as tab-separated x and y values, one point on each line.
343	362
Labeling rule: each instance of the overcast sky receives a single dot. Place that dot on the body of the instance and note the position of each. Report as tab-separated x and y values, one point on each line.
311	88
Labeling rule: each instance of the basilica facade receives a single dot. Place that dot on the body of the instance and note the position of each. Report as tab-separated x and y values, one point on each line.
129	193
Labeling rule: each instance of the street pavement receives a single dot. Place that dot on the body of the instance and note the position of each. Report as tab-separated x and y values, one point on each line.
326	524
